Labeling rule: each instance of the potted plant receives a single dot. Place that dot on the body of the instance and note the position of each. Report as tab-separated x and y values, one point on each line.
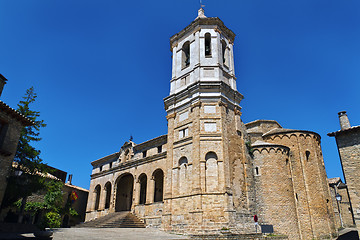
48	221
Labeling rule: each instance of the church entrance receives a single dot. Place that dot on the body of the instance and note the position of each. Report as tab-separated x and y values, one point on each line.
124	193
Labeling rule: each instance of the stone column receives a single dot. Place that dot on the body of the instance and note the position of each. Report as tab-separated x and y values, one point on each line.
151	190
137	193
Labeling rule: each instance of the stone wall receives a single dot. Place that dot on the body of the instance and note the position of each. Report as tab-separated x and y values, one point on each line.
10	129
312	195
274	189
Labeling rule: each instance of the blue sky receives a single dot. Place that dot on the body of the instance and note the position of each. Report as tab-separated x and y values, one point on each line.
102	68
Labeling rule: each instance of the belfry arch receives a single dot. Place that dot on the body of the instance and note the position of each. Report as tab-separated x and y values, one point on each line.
124	192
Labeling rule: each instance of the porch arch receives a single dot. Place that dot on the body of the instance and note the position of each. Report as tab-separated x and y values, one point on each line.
124	192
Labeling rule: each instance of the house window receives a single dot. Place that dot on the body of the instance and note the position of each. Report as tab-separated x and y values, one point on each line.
207	45
159	149
183	133
100	168
186	55
144	154
110	165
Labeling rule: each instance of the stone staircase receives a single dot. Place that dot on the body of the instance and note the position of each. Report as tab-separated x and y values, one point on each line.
114	220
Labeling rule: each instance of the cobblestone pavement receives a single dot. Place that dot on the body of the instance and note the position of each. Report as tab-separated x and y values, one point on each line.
102	233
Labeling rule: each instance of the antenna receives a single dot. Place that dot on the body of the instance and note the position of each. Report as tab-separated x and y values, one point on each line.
201	5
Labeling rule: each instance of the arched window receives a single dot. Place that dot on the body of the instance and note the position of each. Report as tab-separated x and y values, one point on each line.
183	184
186	54
183	161
307	153
143	184
211	172
97	196
108	195
158	176
208	45
225	53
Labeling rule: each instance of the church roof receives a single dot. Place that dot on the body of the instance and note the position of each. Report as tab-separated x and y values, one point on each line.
285	130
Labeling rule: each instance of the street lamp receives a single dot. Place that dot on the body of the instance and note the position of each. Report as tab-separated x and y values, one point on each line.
338	199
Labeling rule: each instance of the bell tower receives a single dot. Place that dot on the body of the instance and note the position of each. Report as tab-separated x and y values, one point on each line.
207	160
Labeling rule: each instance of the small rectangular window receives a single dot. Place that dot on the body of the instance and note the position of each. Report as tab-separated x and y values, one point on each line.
144	154
100	168
257	173
110	165
183	133
159	149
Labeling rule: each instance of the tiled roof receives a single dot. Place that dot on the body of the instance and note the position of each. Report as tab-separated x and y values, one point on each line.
332	134
15	114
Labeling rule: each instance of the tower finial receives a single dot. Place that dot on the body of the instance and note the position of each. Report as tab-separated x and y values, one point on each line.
201	13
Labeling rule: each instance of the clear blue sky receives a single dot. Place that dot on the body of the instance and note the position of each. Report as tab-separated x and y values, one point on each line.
102	68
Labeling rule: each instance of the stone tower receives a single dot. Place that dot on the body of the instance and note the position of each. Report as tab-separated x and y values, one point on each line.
206	156
348	143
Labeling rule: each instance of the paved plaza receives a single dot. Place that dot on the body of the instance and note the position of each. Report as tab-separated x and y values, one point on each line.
103	234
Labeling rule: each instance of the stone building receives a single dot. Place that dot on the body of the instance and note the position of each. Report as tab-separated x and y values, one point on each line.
348	143
211	171
11	124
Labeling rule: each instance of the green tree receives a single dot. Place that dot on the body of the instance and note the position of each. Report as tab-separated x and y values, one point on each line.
26	155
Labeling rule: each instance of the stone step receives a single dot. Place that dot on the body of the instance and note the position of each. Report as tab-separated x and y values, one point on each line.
114	220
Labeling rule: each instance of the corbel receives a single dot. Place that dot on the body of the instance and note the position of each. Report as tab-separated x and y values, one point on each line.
222	104
172	115
197	104
237	111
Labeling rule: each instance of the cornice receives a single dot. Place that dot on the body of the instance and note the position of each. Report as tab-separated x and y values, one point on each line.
130	164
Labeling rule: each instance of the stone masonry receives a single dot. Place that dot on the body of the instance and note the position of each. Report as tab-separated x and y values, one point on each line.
212	172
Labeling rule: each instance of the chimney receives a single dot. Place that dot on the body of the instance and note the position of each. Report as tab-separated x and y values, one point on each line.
344	120
69	179
2	83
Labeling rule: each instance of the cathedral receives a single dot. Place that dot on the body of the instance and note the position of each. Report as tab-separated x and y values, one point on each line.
212	172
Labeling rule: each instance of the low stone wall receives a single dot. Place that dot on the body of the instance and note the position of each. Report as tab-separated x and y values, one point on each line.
236	236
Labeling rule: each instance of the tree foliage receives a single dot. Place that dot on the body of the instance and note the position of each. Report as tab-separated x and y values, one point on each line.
27	155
